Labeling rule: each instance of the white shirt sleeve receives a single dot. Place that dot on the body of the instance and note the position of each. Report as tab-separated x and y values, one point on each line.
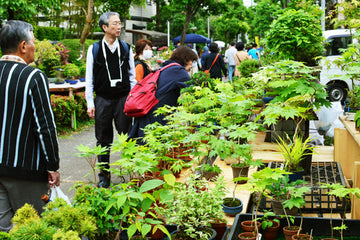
132	69
89	83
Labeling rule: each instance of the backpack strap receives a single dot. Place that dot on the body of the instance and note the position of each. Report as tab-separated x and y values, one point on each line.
169	65
97	45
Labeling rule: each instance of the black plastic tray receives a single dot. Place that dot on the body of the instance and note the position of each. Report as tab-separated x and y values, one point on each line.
319	226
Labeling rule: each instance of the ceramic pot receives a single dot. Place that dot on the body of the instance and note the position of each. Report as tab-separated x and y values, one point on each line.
290	232
301	237
247	236
249	225
271	232
240	172
233	209
295	176
278	208
305	163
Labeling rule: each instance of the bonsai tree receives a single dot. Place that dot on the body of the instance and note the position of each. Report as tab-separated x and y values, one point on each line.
302	45
71	71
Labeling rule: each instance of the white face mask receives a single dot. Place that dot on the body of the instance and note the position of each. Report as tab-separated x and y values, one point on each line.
147	54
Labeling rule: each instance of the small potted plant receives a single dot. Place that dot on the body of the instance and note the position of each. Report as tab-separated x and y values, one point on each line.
269	225
294	152
189	209
71	71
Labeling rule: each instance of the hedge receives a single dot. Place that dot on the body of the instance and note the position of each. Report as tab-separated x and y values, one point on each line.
74	46
49	33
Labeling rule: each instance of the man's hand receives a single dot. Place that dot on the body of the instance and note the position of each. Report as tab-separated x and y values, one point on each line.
91	112
54	179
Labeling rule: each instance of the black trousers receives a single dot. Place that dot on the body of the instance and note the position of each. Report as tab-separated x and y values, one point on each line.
107	113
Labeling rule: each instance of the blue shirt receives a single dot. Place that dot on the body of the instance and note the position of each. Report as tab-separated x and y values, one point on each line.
252	52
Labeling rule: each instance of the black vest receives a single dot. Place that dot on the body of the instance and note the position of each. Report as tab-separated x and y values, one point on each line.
101	78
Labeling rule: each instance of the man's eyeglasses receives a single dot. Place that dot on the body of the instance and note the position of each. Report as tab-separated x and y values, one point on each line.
116	24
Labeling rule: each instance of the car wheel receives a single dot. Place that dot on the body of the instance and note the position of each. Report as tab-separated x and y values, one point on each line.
336	92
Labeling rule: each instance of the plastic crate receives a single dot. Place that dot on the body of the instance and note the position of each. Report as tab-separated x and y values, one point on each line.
317	199
318	226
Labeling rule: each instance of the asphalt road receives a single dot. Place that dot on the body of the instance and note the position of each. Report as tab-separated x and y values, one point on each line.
74	169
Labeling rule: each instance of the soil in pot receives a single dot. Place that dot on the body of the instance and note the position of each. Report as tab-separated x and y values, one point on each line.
301	237
249	225
290	231
271	232
240	172
232	206
247	236
210	176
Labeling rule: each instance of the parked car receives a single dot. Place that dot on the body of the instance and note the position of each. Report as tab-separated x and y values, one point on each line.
330	76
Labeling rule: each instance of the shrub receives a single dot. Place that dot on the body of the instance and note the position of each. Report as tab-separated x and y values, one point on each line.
249	66
296	35
46	57
71	70
51	33
74	46
81	113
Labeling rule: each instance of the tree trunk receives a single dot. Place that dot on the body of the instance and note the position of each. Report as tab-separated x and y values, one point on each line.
123	28
87	27
186	25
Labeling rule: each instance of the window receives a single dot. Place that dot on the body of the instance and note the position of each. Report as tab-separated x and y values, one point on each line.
334	45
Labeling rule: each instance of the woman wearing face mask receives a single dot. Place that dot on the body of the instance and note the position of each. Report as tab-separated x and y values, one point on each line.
143	52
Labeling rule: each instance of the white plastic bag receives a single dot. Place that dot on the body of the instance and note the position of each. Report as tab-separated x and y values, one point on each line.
55	192
327	116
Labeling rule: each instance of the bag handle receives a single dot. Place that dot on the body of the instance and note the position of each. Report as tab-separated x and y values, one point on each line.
213	62
169	65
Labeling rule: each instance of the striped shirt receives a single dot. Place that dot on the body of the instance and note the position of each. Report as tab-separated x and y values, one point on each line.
28	139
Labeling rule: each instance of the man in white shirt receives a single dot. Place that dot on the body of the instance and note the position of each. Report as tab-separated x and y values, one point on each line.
230	60
110	73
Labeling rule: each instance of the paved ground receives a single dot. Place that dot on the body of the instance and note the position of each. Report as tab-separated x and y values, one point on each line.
74	169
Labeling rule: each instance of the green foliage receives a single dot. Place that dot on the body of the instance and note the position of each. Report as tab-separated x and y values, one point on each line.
354	95
24	215
357	119
266	221
33	230
61	215
294	151
192	204
296	35
49	33
70	235
71	70
5	236
74	46
283	189
248	67
46	57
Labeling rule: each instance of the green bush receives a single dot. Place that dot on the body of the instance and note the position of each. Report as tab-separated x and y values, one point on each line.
71	70
81	113
248	67
50	33
74	46
46	57
296	35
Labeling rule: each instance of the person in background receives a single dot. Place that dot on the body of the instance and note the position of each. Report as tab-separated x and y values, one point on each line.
230	60
143	52
111	75
253	52
169	84
29	157
219	65
240	56
203	55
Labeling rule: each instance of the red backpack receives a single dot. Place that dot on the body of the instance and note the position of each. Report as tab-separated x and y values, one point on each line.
141	98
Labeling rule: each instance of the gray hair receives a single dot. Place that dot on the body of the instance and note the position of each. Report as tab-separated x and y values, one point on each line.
12	33
105	17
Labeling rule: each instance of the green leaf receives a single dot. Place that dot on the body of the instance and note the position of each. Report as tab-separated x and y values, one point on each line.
145	229
131	230
151	184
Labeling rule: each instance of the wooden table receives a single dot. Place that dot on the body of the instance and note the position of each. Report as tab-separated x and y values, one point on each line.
347	152
67	87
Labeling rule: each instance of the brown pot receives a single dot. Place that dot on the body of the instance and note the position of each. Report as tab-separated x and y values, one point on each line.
301	237
247	236
240	172
271	232
278	208
290	232
249	225
220	229
210	176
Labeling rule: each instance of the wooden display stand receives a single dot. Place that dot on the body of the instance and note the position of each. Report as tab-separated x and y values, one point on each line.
347	152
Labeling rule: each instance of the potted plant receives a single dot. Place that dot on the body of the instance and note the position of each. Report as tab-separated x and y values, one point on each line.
357	120
71	71
190	206
269	225
294	152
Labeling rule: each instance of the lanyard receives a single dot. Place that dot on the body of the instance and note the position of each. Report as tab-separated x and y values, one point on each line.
113	82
